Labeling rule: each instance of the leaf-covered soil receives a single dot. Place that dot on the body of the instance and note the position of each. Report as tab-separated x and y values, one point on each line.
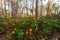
29	29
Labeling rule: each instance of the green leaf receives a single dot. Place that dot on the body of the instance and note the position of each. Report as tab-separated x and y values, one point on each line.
33	26
22	25
20	34
16	24
46	30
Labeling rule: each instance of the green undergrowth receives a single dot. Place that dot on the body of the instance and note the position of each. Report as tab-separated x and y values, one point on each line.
18	27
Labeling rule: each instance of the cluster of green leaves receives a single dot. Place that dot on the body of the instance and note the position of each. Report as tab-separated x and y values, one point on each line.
46	29
31	23
18	33
51	23
21	25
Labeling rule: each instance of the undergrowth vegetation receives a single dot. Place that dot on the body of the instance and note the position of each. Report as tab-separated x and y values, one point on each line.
28	28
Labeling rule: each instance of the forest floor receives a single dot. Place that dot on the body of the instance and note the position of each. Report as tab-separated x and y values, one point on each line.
29	29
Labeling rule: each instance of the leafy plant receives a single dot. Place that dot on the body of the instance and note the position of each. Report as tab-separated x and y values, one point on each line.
1	31
46	29
22	25
20	34
34	25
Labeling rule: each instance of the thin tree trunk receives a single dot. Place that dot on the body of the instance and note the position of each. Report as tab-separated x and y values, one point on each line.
1	6
36	10
48	8
32	7
5	13
20	5
41	8
8	4
14	6
26	8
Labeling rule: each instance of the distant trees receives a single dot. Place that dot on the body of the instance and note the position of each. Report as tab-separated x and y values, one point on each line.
23	7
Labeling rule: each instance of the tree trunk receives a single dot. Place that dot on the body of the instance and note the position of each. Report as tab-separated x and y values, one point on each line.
32	7
36	10
26	8
1	6
8	4
41	8
48	8
4	10
14	6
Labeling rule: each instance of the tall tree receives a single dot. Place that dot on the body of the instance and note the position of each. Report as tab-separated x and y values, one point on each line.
48	7
32	7
14	5
36	10
0	6
8	4
4	10
19	4
26	7
41	8
0	3
59	6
